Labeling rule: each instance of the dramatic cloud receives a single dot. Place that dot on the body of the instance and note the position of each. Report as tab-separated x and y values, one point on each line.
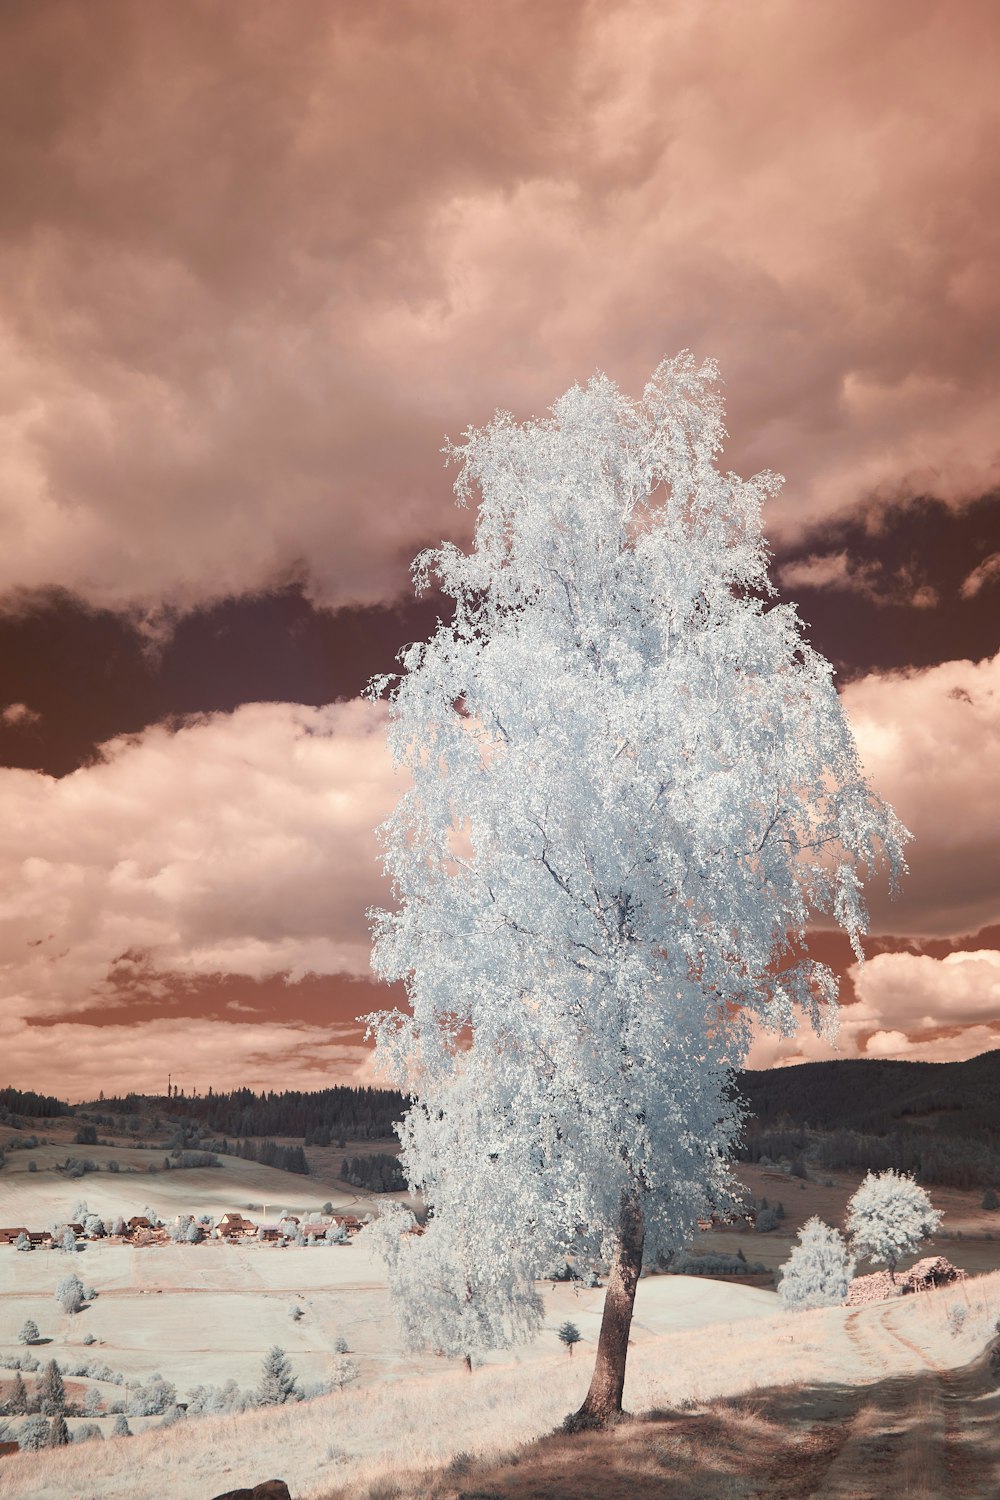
930	743
836	570
986	572
227	1055
257	259
907	1005
914	992
237	844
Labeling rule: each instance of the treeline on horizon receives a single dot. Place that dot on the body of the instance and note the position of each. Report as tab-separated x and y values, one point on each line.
321	1118
940	1121
17	1104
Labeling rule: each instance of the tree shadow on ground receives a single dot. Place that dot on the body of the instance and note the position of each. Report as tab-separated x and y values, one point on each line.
926	1434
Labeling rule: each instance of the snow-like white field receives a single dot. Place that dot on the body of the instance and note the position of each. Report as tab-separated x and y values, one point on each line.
38	1197
361	1435
202	1314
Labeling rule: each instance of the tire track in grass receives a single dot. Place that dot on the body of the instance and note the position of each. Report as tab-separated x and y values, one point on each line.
897	1428
951	1398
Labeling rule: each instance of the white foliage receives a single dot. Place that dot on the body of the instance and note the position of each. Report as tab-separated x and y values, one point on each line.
888	1216
819	1270
631	787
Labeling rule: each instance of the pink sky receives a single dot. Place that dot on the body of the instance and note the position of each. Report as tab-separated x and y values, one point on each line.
257	260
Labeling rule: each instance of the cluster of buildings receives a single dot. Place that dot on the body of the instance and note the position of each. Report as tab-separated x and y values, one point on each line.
139	1230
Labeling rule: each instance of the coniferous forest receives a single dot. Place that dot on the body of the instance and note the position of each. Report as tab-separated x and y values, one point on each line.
323	1117
939	1121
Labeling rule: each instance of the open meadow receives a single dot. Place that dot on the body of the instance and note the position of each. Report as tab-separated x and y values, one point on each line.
205	1314
833	1387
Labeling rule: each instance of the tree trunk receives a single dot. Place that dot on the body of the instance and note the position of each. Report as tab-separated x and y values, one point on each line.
603	1406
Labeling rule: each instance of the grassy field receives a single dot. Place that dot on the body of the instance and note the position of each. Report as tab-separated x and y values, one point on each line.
418	1434
204	1314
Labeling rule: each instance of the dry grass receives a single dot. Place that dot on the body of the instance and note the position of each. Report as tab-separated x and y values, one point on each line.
714	1392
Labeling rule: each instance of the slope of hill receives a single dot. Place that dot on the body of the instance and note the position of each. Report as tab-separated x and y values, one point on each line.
940	1121
884	1399
875	1094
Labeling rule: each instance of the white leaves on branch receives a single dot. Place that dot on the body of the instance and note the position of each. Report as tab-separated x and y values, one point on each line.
631	788
819	1270
888	1216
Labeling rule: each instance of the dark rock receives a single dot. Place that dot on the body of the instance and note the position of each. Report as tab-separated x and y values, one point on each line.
270	1489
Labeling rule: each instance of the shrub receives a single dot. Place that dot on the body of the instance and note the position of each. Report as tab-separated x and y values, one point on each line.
69	1294
87	1432
990	1199
121	1427
93	1403
33	1434
153	1398
58	1435
32	1166
819	1270
767	1219
956	1315
342	1371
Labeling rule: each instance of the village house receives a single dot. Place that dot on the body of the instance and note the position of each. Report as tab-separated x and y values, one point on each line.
349	1222
315	1231
8	1236
233	1226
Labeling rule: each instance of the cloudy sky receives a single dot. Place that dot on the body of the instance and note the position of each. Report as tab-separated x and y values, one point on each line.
256	260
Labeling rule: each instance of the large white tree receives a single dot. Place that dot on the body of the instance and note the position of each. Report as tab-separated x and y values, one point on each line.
888	1216
632	786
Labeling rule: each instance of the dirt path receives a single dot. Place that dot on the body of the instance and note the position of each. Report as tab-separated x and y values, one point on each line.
926	1434
921	1431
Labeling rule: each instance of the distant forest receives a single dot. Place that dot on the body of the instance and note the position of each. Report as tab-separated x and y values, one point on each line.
378	1173
18	1104
325	1117
940	1121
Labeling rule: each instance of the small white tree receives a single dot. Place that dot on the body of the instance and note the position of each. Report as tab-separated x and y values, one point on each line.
887	1218
69	1294
631	788
29	1333
819	1270
277	1383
